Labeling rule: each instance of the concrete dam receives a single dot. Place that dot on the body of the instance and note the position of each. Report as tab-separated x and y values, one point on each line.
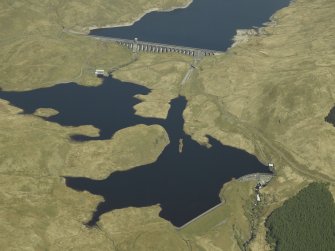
142	46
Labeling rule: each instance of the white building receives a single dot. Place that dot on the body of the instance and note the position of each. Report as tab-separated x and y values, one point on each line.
99	72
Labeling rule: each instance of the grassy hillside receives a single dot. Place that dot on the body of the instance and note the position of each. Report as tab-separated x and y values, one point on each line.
269	96
279	86
37	50
37	211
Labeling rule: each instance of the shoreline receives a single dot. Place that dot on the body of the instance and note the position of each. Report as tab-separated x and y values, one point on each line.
130	23
243	35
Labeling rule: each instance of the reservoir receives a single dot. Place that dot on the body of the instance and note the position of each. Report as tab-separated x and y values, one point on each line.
185	184
184	181
206	24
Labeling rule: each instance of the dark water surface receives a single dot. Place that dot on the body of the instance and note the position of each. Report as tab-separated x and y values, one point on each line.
108	106
331	116
184	184
207	24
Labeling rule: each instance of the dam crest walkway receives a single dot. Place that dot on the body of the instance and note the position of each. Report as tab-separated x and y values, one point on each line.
142	46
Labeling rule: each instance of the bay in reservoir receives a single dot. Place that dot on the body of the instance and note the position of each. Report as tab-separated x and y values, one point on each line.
184	183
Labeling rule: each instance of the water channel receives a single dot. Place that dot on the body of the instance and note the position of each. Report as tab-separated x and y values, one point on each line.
184	183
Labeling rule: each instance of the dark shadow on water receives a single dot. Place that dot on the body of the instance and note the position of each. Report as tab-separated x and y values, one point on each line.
184	184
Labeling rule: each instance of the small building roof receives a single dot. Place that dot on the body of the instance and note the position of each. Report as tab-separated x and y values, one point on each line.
99	72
